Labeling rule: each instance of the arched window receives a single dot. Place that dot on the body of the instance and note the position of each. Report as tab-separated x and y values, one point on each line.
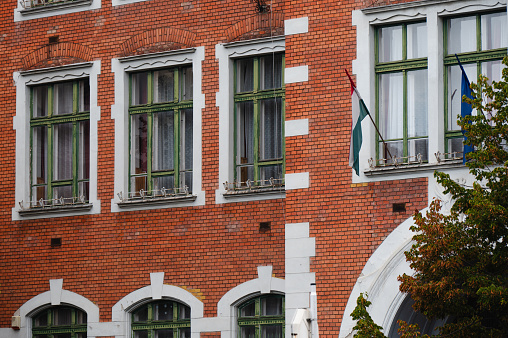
161	319
59	322
262	316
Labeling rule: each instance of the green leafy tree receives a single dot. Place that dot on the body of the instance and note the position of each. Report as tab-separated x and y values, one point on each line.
461	259
365	326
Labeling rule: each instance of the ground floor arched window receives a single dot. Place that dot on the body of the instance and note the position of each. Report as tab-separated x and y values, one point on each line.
262	316
59	322
161	319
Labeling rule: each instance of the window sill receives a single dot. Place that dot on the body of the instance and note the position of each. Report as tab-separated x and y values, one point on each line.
410	168
55	210
55	6
255	192
155	201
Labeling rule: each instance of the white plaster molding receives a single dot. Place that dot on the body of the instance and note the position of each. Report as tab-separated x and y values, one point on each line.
296	74
157	281
21	14
21	123
226	53
55	288
120	312
296	26
297	181
265	278
296	127
45	300
124	2
119	112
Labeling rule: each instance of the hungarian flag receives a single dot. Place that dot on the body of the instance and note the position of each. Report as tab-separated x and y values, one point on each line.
359	111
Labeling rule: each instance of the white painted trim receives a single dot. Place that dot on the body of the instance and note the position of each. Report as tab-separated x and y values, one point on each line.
120	312
296	26
433	12
21	123
37	14
124	2
46	299
227	304
226	53
119	112
296	74
297	181
296	127
379	279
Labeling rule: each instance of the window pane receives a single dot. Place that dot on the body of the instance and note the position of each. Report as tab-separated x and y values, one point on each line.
455	145
417	40
454	91
186	84
391	95
186	138
271	331
40	101
245	173
139	92
62	98
462	35
271	306
139	144
84	190
138	183
164	89
84	150
248	310
62	335
271	71
417	103
62	316
185	333
163	141
395	149
245	132
390	43
248	331
84	95
163	334
271	129
270	171
244	75
493	70
41	319
163	311
419	146
62	191
39	161
160	182
140	334
494	31
62	151
141	315
184	311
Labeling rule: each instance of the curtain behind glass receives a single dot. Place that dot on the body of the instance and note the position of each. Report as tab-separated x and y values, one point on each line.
390	44
494	31
139	91
417	89
62	102
461	35
163	141
391	94
417	40
62	151
39	162
271	129
244	75
164	90
40	101
271	71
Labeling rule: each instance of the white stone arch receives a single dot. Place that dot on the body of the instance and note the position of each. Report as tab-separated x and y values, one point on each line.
56	296
264	284
120	313
379	280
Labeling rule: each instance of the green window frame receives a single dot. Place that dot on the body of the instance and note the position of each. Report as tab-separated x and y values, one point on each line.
59	321
262	316
160	124
259	100
401	92
479	58
161	319
60	143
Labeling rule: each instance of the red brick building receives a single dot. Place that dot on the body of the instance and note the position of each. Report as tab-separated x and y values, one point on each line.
181	168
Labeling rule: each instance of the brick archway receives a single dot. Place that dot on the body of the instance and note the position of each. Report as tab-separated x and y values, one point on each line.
56	54
256	26
158	40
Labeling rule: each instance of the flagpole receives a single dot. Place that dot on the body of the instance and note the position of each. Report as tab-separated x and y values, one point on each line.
370	116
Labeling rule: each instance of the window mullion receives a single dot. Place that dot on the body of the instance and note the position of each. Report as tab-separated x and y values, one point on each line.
176	148
405	141
50	132
149	154
478	33
257	75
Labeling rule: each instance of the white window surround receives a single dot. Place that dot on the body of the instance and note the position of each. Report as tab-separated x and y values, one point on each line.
433	12
124	2
121	67
21	14
226	53
264	284
21	123
121	311
56	296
